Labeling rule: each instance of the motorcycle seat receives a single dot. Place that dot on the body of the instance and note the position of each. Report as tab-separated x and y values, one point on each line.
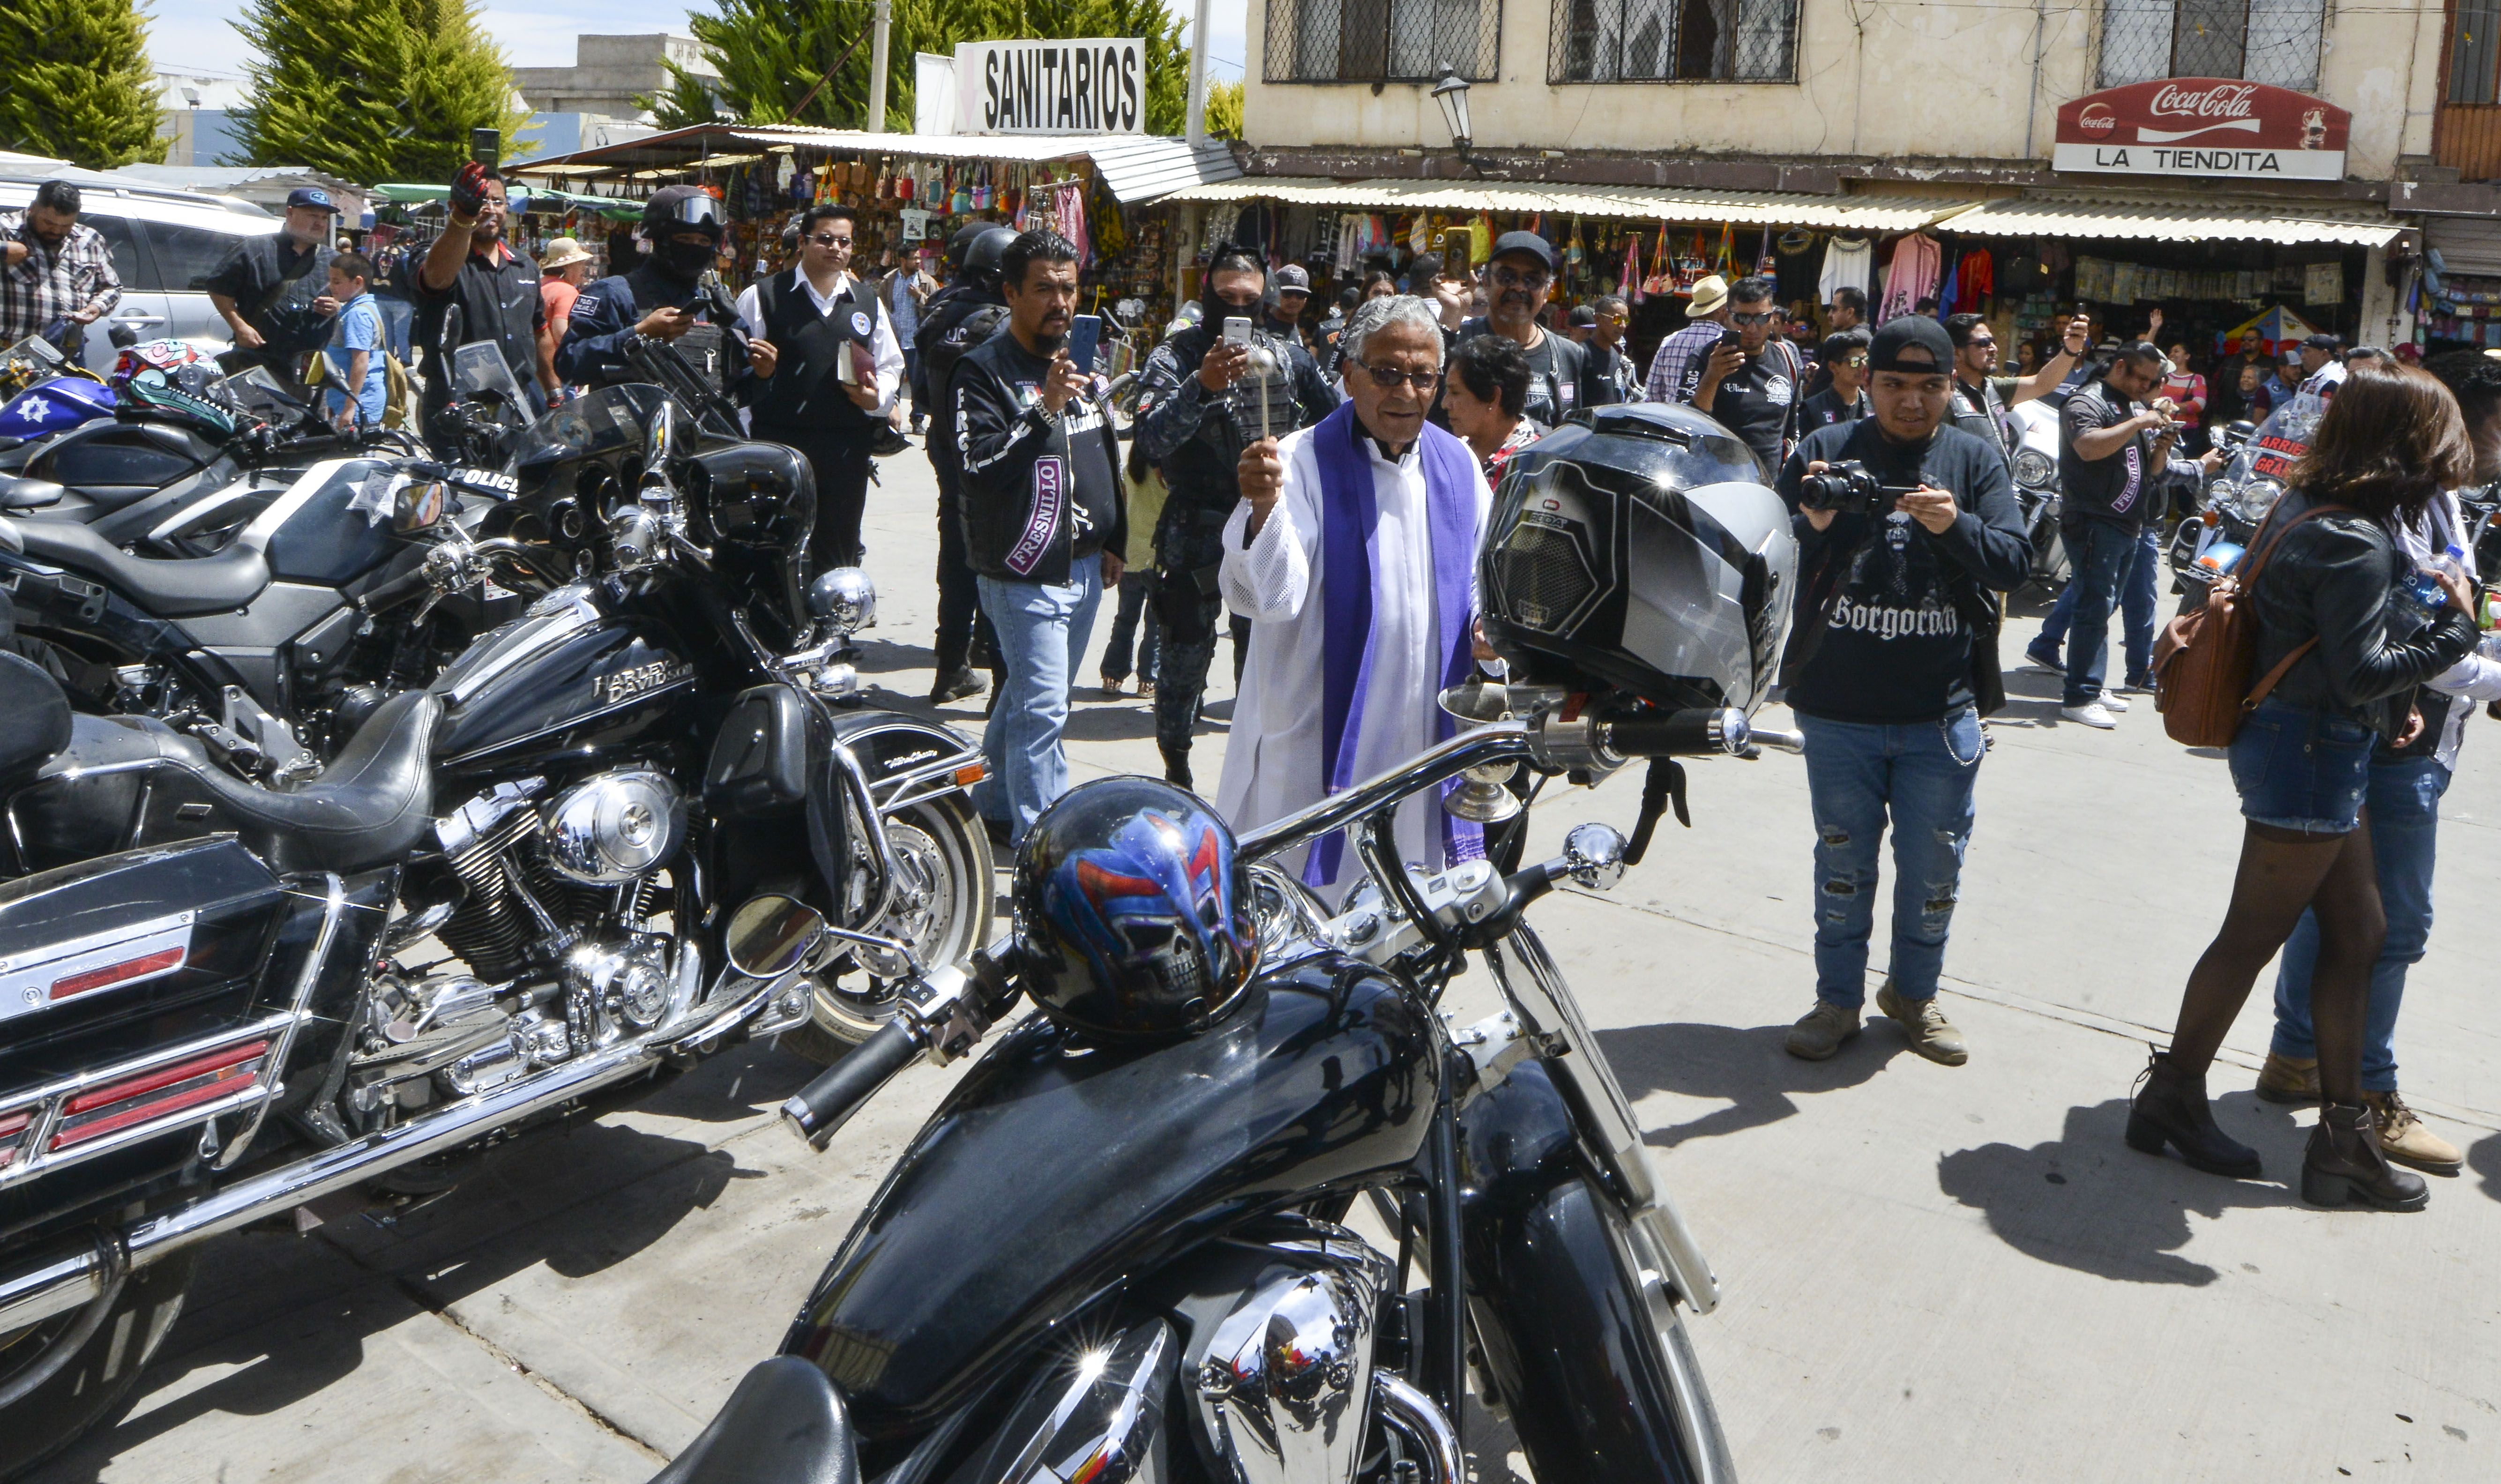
164	589
785	1424
34	715
371	807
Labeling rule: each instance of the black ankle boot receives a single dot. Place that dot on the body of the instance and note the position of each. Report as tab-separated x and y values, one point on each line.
2171	1108
1177	771
2344	1164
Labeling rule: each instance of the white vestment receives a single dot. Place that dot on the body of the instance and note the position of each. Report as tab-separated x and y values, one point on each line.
1273	763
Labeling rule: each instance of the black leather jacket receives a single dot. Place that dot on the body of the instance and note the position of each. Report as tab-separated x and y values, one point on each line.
2335	578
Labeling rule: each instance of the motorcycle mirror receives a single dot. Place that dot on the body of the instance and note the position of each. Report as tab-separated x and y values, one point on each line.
417	506
844	597
453	324
772	934
1593	855
2238	433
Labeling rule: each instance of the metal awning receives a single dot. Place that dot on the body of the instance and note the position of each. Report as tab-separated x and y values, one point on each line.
2176	222
1747	208
1136	167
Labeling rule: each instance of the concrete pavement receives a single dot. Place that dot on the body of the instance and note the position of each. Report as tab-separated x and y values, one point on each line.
1930	1272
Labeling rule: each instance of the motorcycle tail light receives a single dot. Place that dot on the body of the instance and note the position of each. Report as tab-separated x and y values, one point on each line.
971	774
153	1095
12	1132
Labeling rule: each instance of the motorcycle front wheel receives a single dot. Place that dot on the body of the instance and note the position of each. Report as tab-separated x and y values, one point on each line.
942	905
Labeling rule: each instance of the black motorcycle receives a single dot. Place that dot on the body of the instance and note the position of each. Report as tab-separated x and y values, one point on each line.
620	832
1121	1260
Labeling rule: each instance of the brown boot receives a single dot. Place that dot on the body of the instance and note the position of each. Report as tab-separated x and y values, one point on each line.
2404	1139
2343	1164
2287	1079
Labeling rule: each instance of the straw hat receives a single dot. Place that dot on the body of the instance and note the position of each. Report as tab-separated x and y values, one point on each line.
1708	295
562	252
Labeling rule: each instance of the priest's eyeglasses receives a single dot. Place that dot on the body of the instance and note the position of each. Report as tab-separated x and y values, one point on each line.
1388	378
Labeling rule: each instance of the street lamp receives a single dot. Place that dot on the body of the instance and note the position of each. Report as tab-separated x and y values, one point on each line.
1452	93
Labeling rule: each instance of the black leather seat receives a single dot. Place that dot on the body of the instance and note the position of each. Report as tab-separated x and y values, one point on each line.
34	714
170	589
785	1424
369	807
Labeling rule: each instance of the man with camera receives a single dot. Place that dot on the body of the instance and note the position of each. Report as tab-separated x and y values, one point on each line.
1906	526
2113	445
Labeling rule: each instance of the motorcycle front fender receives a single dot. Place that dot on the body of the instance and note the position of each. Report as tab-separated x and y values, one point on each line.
1581	1340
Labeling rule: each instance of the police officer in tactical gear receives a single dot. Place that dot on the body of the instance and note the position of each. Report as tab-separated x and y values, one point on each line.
1198	408
664	296
968	310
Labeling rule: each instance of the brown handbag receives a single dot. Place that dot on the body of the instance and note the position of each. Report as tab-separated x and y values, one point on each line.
2202	660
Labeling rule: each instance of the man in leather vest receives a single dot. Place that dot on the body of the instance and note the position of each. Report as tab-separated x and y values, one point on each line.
664	296
1198	408
837	369
959	317
1981	397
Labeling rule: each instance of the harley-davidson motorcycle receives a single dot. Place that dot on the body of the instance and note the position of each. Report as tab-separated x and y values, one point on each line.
1119	1251
620	831
2235	500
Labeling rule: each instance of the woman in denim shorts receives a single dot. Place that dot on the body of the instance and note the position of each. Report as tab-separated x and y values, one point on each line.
2324	597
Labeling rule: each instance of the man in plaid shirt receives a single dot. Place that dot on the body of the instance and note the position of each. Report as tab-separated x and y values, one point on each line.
55	269
1706	321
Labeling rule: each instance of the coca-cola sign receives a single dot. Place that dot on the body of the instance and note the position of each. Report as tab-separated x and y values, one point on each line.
2202	128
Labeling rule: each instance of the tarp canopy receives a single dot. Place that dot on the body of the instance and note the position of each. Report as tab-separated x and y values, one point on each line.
2210	220
2271	331
1747	208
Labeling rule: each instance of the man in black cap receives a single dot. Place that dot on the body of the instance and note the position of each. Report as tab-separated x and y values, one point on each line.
1518	277
1611	366
664	296
1290	288
959	317
2323	370
270	291
1199	406
1747	380
1891	659
495	287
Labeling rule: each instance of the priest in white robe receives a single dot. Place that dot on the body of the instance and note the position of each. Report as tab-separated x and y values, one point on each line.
1353	553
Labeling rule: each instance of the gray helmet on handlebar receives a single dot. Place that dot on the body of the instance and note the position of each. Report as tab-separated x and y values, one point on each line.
1639	552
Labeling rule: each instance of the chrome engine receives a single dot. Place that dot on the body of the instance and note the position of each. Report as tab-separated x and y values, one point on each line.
553	893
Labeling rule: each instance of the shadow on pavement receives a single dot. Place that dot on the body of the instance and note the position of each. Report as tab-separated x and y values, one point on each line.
295	1313
1743	1066
2484	1157
2088	1201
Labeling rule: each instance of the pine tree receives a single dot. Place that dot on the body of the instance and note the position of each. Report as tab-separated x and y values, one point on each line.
373	90
807	62
1225	110
79	86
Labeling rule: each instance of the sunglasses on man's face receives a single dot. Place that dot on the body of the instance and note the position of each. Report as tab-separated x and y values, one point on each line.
1854	360
1764	319
1388	378
824	240
1522	277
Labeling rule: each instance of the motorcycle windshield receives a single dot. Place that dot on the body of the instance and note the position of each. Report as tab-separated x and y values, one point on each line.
2262	468
603	422
479	372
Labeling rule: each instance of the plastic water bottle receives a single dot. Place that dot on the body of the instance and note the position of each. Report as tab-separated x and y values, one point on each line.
2423	591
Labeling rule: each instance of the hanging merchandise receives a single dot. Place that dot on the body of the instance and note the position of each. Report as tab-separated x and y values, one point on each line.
1946	295
1631	282
1725	264
1848	262
2324	283
1910	275
1693	266
1661	277
1974	281
1573	255
1417	240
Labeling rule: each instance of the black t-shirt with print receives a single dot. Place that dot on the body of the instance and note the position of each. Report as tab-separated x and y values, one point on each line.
1557	373
1759	401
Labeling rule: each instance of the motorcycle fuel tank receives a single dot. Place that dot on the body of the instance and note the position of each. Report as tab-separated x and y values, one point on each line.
564	678
1059	1166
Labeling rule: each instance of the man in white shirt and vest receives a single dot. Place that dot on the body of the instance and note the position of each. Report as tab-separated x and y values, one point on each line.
833	372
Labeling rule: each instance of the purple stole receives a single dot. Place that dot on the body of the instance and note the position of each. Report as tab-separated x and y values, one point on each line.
1349	523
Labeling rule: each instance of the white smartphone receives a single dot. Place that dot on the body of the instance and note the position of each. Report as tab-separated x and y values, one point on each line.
1237	330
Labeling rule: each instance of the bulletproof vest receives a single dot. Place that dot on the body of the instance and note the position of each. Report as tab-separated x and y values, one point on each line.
1204	470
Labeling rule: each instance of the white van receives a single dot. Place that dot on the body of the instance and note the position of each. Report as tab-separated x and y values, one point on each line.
164	241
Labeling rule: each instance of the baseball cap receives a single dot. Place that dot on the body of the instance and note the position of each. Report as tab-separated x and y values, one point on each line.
1911	332
313	196
2321	343
1524	242
1292	279
1584	313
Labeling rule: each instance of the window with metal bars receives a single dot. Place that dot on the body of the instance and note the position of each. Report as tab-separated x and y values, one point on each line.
1381	41
2256	41
2475	53
1671	41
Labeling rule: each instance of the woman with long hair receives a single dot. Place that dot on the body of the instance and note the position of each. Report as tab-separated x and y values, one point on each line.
2351	655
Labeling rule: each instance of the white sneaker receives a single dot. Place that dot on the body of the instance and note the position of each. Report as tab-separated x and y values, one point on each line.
2091	714
2112	701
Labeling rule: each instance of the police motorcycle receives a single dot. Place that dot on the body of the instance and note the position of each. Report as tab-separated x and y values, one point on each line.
1119	1251
46	392
2236	499
618	834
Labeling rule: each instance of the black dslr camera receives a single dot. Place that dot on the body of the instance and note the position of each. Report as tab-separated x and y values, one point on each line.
1849	489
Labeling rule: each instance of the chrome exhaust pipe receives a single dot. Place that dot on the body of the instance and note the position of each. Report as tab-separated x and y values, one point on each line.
64	1280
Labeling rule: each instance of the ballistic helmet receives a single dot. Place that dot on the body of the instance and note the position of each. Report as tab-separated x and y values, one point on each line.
1639	552
679	208
1132	912
983	255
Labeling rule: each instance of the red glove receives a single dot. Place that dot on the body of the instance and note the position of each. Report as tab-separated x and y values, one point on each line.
469	189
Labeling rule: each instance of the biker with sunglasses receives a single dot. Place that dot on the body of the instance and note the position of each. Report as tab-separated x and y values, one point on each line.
1519	279
1747	380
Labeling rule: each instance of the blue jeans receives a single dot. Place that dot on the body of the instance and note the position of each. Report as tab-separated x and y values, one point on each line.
2100	554
1921	775
2136	606
2404	803
1043	629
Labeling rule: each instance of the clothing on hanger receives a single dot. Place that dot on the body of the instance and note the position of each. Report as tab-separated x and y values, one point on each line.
1910	275
1848	262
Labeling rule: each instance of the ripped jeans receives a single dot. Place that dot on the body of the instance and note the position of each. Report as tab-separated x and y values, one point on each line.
1856	774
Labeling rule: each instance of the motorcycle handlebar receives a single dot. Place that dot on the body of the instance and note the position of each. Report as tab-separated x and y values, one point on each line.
400	590
816	1111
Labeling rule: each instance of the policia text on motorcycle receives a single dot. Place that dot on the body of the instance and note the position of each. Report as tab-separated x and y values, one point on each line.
1199	406
1906	528
831	368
